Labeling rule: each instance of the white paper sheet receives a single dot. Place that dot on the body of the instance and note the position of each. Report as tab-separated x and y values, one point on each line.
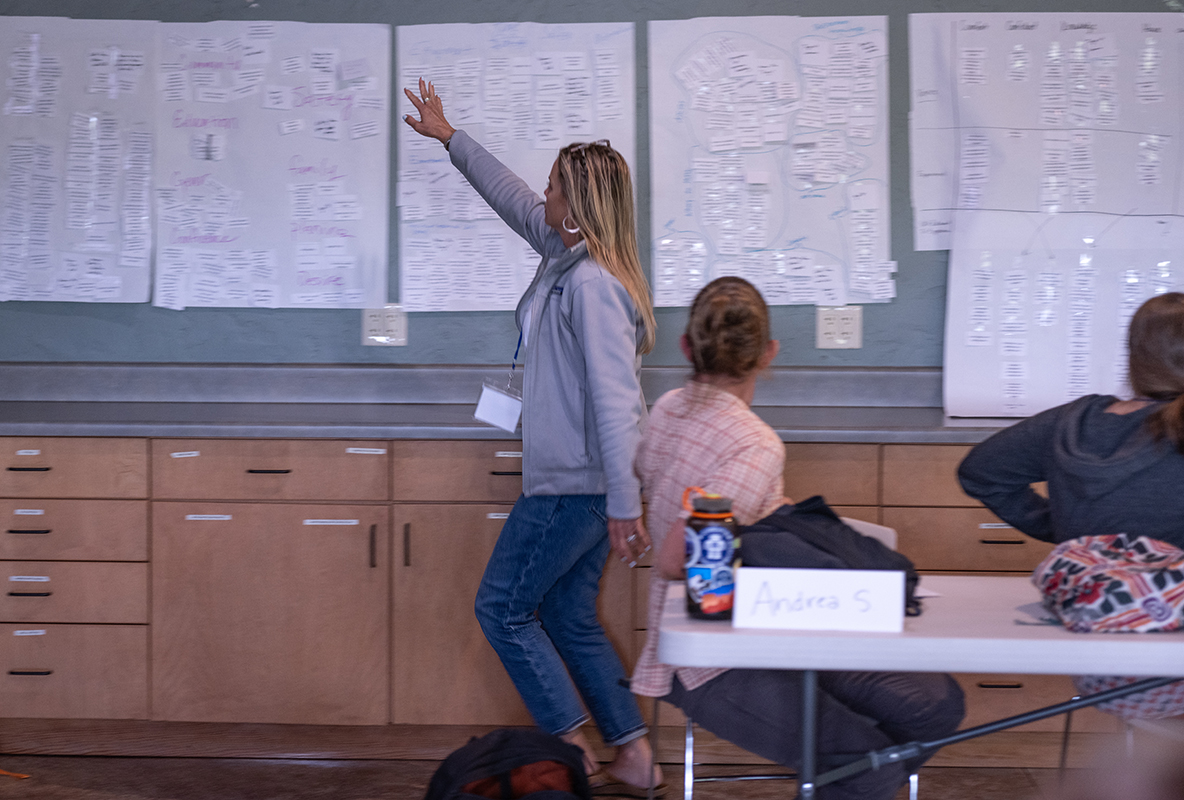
266	149
523	90
769	148
76	150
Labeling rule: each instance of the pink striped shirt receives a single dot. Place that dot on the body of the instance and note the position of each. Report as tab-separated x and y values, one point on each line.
700	436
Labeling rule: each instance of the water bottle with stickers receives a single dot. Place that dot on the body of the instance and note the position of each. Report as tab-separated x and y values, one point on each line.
713	553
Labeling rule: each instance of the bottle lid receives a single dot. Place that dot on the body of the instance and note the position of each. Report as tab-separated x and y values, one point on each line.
712	505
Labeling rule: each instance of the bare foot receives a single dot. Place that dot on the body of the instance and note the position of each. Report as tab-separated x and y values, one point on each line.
577	737
632	764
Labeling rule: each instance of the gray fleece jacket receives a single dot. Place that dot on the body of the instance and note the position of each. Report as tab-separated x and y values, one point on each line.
1105	474
582	404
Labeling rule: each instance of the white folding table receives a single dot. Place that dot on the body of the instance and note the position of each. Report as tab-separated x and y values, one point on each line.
976	624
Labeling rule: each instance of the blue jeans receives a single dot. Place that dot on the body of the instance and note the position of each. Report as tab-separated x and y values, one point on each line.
537	607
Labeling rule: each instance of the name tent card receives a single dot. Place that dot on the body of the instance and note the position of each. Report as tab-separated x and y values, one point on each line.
819	599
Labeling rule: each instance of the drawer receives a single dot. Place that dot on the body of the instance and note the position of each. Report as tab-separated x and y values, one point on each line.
74	671
923	475
78	467
994	697
457	471
74	530
963	539
269	469
74	591
845	474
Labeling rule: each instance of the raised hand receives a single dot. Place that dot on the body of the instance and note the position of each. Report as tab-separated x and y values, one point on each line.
431	122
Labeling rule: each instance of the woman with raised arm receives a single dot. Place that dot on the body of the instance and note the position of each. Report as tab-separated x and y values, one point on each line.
586	319
706	435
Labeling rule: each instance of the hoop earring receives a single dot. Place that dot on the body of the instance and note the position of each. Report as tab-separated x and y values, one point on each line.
574	229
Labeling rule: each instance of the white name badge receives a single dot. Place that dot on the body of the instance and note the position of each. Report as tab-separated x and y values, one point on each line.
499	408
819	599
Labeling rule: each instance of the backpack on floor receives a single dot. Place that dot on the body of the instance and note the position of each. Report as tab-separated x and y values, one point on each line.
512	764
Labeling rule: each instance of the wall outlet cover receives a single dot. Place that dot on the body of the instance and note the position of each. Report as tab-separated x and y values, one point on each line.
839	327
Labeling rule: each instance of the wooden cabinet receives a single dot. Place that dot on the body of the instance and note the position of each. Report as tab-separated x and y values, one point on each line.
962	540
60	467
443	669
450	471
74	604
270	613
74	671
74	591
74	530
332	581
269	469
845	474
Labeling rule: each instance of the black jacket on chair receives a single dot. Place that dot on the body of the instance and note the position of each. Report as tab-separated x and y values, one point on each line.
810	535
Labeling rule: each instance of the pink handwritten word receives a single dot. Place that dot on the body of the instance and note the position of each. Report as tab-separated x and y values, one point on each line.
181	119
304	98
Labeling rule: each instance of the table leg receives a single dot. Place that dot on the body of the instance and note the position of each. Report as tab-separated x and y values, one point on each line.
809	733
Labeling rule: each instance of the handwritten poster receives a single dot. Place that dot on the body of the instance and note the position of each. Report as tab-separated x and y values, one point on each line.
1043	113
769	146
77	141
1046	157
272	164
523	90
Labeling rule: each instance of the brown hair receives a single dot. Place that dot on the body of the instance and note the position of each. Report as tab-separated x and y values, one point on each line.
728	328
595	180
1156	340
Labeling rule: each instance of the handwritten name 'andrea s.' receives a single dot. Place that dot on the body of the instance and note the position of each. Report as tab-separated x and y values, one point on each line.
766	603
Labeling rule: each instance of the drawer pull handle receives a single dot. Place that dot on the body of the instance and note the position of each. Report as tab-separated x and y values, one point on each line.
36	672
1001	541
1000	685
501	472
29	594
373	546
268	471
30	530
29	469
406	544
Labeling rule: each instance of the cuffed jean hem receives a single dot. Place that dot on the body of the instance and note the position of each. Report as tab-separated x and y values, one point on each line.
632	735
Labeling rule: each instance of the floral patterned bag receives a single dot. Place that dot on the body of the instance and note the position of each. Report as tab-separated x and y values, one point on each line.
1114	583
1118	583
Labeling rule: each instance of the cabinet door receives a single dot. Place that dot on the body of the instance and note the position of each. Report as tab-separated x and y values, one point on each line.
963	539
74	530
270	469
74	671
451	471
80	467
270	613
445	673
74	591
845	474
923	475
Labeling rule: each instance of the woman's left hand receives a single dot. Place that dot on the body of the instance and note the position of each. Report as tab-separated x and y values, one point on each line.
629	539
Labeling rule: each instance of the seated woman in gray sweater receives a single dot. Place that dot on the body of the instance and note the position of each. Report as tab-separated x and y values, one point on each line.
1112	466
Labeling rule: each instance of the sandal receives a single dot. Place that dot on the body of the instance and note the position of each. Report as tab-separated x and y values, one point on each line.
605	785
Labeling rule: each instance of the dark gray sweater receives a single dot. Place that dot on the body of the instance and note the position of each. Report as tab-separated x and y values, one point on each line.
1105	474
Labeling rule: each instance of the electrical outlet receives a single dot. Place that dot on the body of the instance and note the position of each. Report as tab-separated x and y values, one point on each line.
839	327
385	327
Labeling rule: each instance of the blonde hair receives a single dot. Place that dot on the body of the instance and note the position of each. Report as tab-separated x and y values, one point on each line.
1156	340
595	180
728	328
